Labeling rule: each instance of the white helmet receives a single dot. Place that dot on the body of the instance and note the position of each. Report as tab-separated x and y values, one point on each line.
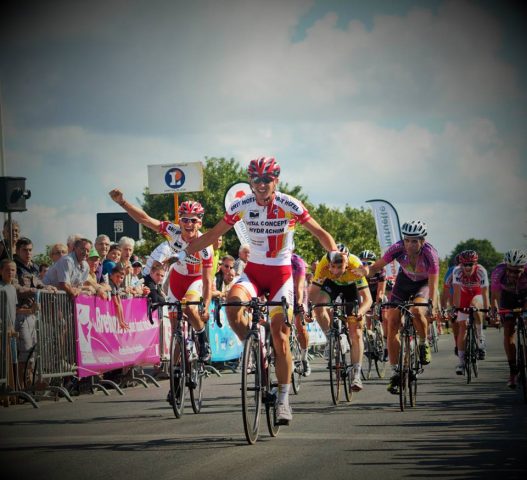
343	249
515	258
415	228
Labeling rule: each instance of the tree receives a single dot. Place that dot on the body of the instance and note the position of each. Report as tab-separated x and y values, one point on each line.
488	256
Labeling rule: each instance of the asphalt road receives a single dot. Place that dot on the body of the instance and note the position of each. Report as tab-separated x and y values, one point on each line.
456	431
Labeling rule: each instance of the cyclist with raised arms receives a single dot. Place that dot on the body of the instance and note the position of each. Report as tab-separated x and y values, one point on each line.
509	291
270	217
335	276
471	289
417	279
190	279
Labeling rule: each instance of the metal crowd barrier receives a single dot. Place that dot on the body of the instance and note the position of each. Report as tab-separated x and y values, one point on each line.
9	389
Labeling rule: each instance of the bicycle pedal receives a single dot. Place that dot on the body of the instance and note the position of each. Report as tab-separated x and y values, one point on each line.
281	423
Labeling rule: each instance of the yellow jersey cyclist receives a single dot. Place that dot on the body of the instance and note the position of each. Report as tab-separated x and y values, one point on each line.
418	279
270	217
335	275
509	291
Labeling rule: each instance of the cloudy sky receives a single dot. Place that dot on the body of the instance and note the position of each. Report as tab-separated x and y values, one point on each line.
422	103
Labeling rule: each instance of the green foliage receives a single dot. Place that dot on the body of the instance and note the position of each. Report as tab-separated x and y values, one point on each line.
488	256
41	258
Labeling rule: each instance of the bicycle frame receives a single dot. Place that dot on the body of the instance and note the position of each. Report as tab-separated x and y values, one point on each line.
256	384
471	342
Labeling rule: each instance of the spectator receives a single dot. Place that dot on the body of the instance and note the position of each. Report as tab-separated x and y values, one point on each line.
127	245
102	245
7	284
28	284
42	270
243	257
216	259
57	251
229	279
92	286
160	255
114	256
70	242
71	271
154	281
226	265
10	233
137	276
116	290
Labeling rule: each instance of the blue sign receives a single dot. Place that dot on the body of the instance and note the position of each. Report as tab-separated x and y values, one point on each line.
224	343
175	178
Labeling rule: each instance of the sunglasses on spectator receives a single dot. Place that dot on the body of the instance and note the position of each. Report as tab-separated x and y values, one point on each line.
258	180
469	264
189	220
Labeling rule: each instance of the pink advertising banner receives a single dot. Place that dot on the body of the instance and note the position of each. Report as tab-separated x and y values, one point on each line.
102	345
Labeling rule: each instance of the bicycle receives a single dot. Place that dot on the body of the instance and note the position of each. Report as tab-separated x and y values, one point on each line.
471	342
338	345
374	345
409	359
521	346
257	386
433	336
185	370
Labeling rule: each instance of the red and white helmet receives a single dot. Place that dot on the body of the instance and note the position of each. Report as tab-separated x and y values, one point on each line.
264	167
191	208
468	256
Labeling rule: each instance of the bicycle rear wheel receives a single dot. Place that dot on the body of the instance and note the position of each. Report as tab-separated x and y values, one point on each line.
434	337
335	367
404	365
468	354
475	354
298	368
369	355
379	345
521	360
177	374
251	387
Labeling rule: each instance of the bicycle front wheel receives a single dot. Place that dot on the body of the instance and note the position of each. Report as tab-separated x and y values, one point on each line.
177	375
469	354
521	360
195	387
369	355
251	388
335	367
404	366
413	370
271	395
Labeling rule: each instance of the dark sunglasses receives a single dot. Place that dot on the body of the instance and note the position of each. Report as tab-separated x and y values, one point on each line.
257	180
468	264
189	220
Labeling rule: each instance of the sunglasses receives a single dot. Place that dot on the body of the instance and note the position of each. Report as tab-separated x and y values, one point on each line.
258	180
515	271
468	264
189	220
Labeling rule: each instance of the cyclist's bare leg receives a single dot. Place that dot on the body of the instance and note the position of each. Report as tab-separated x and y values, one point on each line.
393	324
283	362
508	341
238	320
356	340
192	312
420	320
301	330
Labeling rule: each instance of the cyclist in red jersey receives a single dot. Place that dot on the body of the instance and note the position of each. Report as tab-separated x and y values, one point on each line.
270	217
471	288
189	280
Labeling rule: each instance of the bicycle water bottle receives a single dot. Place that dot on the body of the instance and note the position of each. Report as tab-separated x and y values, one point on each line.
343	343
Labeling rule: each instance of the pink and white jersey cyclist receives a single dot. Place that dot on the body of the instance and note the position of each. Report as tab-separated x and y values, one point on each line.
190	279
270	218
186	277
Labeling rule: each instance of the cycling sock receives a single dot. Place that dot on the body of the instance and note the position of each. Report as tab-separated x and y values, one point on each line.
303	354
461	355
357	367
283	393
513	368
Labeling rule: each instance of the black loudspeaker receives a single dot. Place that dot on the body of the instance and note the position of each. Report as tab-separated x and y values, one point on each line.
13	194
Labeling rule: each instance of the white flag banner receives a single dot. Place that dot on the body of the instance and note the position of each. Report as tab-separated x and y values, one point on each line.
388	229
235	191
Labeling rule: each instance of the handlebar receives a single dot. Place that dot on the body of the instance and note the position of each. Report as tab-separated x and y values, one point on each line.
407	305
175	303
354	304
255	303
